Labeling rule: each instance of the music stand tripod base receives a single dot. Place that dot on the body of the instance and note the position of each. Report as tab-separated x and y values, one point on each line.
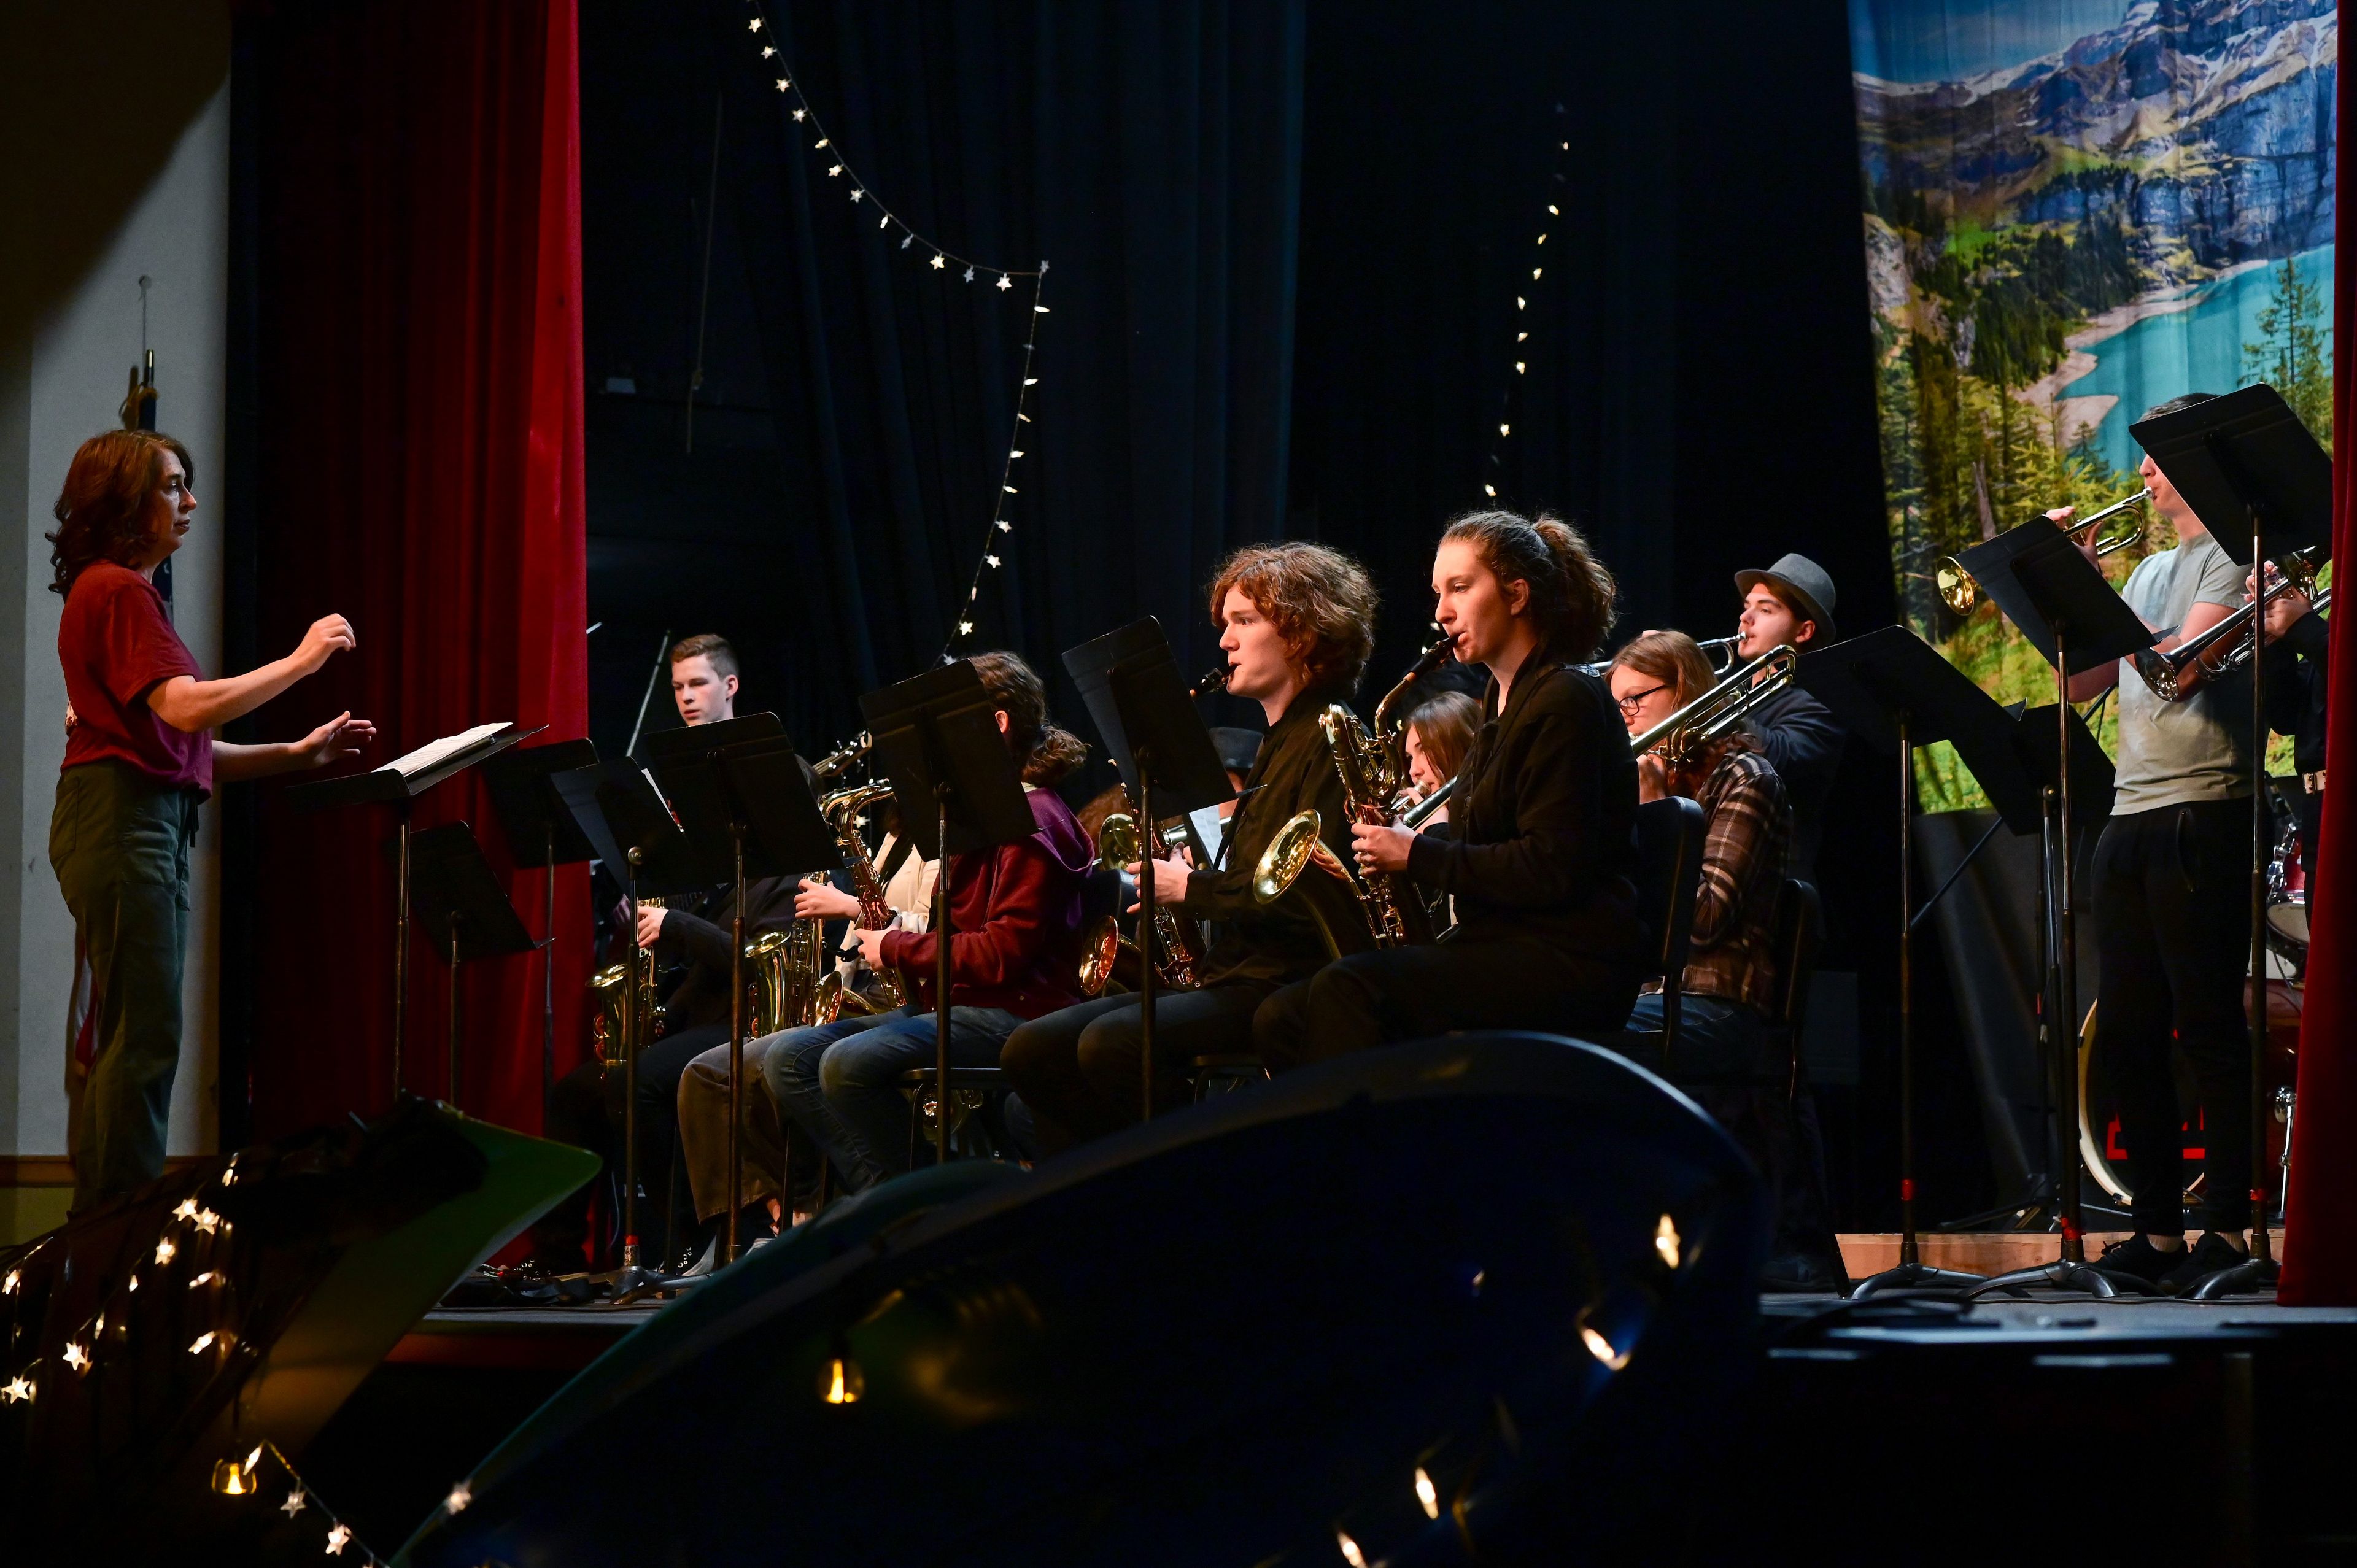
2250	1276
2061	1274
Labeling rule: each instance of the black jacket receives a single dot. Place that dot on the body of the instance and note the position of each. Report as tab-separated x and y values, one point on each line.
697	933
2296	689
1804	739
1541	841
1294	772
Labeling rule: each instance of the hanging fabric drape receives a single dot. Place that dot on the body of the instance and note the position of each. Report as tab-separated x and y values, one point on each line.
2319	1258
416	184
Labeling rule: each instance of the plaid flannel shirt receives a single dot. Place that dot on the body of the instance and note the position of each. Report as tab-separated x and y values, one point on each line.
1746	854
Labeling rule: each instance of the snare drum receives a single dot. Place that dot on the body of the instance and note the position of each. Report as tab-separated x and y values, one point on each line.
2287	899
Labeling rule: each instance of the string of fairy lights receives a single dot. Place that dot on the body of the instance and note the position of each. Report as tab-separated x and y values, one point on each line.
1494	468
804	120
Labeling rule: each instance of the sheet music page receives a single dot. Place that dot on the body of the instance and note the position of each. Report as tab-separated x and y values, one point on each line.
432	752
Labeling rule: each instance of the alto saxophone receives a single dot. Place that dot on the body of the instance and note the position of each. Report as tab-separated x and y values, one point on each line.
842	810
1369	782
1121	842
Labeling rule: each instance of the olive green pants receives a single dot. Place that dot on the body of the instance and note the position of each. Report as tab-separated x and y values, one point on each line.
119	843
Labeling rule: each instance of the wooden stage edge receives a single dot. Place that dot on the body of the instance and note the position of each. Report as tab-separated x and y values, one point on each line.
1977	1252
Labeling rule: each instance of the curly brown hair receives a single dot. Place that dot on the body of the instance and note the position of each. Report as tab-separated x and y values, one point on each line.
1321	601
1044	752
106	511
1571	592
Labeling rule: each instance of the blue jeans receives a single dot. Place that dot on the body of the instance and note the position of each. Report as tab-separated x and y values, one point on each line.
840	1081
1717	1041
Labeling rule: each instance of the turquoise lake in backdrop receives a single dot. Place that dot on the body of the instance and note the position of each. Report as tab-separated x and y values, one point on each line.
2195	350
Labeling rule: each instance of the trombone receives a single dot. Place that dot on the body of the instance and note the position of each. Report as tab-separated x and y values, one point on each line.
2168	674
1962	592
1681	736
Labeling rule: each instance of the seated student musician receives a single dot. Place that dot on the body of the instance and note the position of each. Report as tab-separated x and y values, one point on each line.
1541	845
1729	982
1793	602
586	1106
1014	954
1297	623
908	878
1438	733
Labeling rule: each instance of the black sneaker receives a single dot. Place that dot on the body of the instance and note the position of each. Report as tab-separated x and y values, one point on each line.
2138	1259
2204	1257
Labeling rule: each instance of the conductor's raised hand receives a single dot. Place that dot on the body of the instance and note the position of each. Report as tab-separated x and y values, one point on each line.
328	636
339	738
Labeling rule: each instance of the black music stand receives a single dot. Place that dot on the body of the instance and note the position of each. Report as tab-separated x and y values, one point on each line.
1159	744
2246	456
1893	690
2069	613
466	912
958	791
398	784
541	832
620	813
771	805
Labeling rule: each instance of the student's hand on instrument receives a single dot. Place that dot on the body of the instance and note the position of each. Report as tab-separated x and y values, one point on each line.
2060	518
650	919
1169	882
871	946
2283	609
1652	778
328	636
339	738
817	900
1379	847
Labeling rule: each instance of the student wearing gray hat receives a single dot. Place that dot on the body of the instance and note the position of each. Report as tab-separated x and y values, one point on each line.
1793	602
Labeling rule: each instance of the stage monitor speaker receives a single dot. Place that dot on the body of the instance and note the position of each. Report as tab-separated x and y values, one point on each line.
1489	1295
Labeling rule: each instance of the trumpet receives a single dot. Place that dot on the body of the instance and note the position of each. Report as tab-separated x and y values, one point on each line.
2171	674
1681	736
1962	593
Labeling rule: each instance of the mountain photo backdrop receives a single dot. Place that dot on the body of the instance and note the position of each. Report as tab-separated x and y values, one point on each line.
2075	209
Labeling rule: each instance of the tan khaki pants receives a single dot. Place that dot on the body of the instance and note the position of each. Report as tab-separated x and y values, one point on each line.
703	1129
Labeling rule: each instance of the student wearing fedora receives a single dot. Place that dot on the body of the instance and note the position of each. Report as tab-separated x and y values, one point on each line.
1793	602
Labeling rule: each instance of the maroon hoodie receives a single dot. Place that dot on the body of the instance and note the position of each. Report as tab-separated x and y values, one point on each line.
1016	912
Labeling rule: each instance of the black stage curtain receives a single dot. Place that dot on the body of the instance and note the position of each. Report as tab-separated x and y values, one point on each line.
1287	241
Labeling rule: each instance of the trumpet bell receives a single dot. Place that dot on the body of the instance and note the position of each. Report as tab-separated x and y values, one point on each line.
1281	864
1958	590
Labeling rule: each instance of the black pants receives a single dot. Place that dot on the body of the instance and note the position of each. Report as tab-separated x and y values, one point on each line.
2172	942
1077	1070
584	1110
1406	993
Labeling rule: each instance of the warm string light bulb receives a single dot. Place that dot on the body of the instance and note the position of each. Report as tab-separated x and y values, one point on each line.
841	1380
1350	1553
230	1480
1427	1493
1601	1349
1666	1240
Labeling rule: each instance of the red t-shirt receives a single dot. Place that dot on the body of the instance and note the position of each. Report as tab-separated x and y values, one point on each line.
117	645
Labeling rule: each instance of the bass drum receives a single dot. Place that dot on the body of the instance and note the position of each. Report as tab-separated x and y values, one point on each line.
2100	1148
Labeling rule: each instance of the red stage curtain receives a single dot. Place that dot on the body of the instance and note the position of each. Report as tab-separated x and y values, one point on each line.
418	304
2320	1224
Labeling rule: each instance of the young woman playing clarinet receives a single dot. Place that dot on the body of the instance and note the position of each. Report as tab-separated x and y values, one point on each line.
1541	841
1297	623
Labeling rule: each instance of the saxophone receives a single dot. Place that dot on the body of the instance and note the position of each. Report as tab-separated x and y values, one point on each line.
616	1006
842	810
1120	842
1369	783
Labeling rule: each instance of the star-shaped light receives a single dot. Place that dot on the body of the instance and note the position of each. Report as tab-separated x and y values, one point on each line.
939	261
204	1342
165	1248
1016	453
754	26
993	559
855	195
341	1532
294	1503
76	1357
767	49
1006	282
16	1392
188	1210
783	84
1005	526
908	241
208	1221
1505	430
969	274
965	627
834	170
229	1173
799	116
820	143
460	1496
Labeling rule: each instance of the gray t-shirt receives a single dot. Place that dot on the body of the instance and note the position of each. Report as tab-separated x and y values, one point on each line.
2198	749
